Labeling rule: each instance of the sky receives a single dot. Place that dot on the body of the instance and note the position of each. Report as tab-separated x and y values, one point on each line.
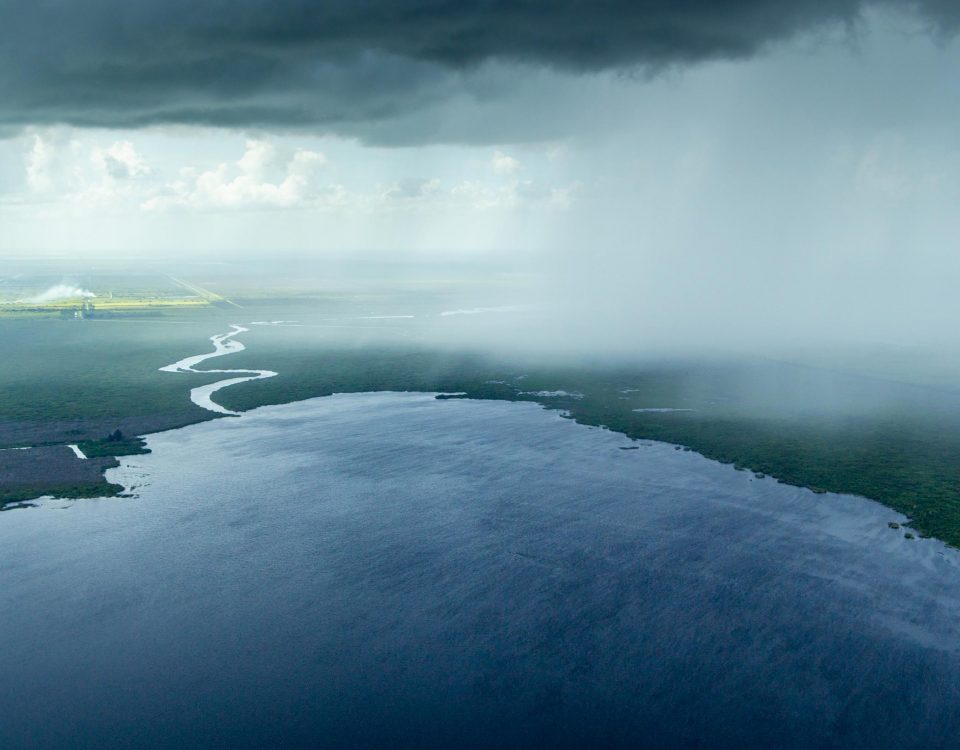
697	168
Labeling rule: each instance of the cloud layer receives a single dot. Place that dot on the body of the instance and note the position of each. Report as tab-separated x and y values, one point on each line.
69	172
340	65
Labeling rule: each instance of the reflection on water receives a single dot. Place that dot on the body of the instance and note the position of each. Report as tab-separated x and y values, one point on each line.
387	570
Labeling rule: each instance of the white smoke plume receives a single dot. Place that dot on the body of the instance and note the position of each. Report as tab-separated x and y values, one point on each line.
60	292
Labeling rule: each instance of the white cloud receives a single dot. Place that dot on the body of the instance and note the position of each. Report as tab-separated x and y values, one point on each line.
39	162
64	172
120	161
259	179
258	159
412	189
81	173
504	164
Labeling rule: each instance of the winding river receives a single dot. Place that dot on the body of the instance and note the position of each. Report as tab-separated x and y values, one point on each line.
223	344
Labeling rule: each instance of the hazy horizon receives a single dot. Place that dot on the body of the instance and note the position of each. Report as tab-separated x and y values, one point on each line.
745	176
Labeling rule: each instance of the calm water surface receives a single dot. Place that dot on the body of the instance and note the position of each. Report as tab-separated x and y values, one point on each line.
388	570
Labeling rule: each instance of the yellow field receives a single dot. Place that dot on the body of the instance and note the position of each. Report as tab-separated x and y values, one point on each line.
99	305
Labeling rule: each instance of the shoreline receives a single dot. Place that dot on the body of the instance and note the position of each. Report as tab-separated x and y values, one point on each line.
890	524
226	343
113	474
26	491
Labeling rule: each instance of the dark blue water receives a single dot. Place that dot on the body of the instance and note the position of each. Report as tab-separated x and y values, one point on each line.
386	570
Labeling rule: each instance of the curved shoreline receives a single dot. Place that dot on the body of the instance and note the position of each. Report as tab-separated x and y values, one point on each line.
223	343
911	526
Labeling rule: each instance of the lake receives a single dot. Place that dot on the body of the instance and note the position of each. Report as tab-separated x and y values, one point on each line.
392	570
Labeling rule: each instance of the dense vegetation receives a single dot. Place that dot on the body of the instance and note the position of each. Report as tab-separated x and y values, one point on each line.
11	497
114	444
58	370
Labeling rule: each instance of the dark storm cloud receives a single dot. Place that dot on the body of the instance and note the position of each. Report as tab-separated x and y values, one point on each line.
343	64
